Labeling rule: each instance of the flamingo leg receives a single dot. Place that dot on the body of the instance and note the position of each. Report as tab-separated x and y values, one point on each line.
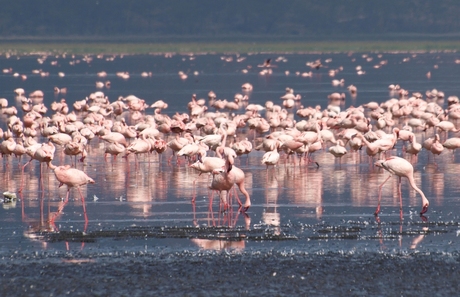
194	194
400	200
224	200
194	189
41	178
237	198
195	222
22	175
211	198
380	195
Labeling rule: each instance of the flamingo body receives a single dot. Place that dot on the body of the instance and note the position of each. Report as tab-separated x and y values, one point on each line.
402	168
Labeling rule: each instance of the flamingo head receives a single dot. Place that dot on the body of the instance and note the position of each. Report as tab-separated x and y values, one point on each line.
379	163
424	209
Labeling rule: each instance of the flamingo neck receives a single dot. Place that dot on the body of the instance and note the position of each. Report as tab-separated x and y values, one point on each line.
425	201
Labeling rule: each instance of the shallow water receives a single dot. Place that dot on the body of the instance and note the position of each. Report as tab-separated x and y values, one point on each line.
309	231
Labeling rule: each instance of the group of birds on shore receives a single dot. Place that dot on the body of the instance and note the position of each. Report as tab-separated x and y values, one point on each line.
208	134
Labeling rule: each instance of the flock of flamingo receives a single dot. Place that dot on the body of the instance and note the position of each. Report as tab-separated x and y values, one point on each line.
207	134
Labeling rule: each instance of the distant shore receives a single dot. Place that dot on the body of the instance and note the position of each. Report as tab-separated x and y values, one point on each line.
136	46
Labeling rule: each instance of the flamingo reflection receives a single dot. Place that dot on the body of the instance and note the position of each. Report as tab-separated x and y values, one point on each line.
219	245
271	216
230	240
41	225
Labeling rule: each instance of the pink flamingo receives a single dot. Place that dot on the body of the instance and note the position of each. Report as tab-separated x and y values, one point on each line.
178	143
338	150
224	180
226	153
290	146
60	138
74	148
207	164
452	144
72	177
113	137
413	147
114	149
401	168
138	146
42	152
7	146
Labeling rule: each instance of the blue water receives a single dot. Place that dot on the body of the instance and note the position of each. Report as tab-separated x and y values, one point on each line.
309	231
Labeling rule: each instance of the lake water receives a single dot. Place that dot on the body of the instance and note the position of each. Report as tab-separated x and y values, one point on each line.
309	231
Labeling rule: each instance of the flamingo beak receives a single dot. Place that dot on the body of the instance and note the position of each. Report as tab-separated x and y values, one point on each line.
424	209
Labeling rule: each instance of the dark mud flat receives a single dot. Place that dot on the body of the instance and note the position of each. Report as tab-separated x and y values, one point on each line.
250	273
296	260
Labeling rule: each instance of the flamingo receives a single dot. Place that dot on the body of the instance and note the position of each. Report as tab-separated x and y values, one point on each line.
60	138
72	177
7	146
114	149
436	147
138	146
313	148
372	148
290	146
401	168
178	143
74	148
112	137
290	96
446	126
190	150
224	180
413	147
452	143
338	150
242	147
207	164
271	157
42	152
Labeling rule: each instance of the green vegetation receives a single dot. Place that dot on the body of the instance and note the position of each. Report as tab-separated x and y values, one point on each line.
145	26
223	47
117	18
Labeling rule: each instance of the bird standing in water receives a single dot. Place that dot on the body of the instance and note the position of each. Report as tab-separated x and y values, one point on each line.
72	177
401	168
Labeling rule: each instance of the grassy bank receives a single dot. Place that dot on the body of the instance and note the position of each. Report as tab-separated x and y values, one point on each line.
94	47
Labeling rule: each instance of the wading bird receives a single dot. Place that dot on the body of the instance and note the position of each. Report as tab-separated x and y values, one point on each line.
401	168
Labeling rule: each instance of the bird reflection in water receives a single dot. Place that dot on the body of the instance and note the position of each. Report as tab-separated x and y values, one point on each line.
139	190
416	241
37	226
271	216
228	220
219	245
400	235
308	189
438	178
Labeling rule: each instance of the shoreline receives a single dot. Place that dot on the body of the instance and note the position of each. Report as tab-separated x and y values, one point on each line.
37	47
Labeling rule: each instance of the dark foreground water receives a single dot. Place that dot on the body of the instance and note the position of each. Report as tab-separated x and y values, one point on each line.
251	273
310	231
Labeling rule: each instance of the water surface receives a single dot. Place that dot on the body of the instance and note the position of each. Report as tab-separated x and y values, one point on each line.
309	230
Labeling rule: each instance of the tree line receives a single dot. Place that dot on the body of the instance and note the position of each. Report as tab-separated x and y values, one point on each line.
217	18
